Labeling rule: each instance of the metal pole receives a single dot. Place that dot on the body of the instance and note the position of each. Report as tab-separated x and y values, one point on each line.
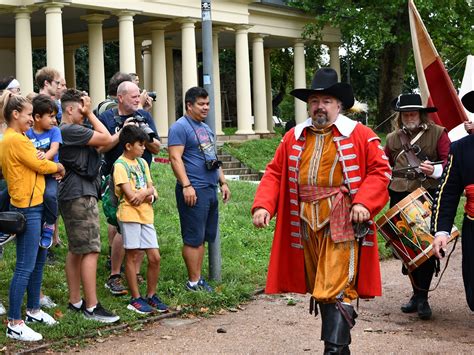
215	260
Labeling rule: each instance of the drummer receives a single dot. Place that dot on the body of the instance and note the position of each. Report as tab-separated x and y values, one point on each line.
417	150
459	177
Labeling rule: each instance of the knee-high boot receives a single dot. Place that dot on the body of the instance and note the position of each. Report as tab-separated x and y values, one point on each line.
335	329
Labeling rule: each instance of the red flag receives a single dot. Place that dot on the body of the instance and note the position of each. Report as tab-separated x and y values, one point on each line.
436	87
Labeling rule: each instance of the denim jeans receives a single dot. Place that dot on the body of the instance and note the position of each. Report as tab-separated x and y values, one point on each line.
50	200
30	260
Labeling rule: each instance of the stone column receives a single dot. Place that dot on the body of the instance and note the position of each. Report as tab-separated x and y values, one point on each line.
70	66
96	57
147	67
170	84
334	61
244	101
139	65
126	41
217	81
54	36
259	91
158	54
268	89
188	55
23	49
301	112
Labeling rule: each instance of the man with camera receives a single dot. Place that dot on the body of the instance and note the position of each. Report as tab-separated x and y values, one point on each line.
127	112
193	156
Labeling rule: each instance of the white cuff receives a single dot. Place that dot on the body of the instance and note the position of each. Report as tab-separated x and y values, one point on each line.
437	172
441	234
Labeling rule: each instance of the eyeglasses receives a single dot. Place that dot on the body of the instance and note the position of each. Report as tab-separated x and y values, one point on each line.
58	83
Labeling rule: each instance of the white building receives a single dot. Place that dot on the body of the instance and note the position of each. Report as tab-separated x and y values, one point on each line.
148	31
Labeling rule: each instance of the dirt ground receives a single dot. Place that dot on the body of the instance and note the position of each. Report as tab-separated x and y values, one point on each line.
269	325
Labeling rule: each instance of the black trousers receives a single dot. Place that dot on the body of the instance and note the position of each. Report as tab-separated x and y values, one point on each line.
468	260
421	276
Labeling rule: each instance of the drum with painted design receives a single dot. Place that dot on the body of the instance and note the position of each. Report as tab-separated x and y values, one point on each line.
406	228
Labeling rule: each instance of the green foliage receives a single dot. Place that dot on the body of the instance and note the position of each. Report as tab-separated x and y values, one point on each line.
245	252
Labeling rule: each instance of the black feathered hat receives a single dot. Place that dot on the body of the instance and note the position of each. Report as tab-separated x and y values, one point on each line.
410	102
325	82
468	101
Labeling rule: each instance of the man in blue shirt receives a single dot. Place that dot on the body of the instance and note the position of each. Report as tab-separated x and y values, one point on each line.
127	112
193	156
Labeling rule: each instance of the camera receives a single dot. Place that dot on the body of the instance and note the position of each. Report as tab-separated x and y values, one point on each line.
140	121
213	164
152	94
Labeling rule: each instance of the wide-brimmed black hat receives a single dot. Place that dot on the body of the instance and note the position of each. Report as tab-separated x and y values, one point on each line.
468	101
410	102
325	82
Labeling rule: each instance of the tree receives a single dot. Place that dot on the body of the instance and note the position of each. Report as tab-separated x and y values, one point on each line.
377	33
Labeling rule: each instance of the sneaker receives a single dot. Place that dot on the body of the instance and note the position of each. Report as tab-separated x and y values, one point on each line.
140	306
116	286
100	314
47	302
50	257
3	311
22	332
39	317
157	304
5	238
46	239
73	308
140	279
202	285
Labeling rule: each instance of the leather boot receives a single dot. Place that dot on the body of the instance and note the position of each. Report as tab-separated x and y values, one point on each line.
424	309
411	306
335	330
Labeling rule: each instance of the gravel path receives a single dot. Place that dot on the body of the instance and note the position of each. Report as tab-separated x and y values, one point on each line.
269	325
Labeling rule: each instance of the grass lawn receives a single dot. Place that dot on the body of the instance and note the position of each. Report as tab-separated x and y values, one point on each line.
245	253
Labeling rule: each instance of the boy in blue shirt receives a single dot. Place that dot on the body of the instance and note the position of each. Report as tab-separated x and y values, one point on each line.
46	138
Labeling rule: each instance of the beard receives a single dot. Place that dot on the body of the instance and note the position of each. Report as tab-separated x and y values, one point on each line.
412	126
320	119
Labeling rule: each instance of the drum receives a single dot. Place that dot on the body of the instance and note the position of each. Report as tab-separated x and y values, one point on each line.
406	228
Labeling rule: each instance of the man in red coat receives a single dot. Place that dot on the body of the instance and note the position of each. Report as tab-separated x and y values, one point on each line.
326	182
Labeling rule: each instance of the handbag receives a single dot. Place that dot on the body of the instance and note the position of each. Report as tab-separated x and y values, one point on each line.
12	222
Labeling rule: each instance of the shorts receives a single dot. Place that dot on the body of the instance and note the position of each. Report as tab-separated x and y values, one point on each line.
138	235
81	221
198	223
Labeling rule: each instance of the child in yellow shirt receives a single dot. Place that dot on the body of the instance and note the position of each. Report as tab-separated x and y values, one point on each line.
134	188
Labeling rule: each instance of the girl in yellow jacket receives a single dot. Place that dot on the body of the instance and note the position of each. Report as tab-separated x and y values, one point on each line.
24	175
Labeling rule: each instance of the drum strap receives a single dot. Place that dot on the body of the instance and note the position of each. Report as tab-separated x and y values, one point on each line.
437	271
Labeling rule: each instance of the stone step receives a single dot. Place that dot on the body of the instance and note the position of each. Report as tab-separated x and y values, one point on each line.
231	164
237	171
244	177
226	157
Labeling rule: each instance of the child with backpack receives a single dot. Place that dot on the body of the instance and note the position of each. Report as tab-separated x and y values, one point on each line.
135	192
46	138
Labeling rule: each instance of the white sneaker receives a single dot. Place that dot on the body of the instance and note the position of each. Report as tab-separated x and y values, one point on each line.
47	302
2	309
22	332
39	317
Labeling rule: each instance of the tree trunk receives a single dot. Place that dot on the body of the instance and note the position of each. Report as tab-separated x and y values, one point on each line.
393	62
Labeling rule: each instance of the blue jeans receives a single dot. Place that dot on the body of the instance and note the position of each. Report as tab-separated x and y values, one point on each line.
30	260
50	200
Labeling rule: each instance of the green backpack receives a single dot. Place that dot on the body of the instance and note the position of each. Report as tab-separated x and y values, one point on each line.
110	201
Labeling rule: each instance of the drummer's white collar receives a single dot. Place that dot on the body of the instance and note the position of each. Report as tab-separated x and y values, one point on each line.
343	124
